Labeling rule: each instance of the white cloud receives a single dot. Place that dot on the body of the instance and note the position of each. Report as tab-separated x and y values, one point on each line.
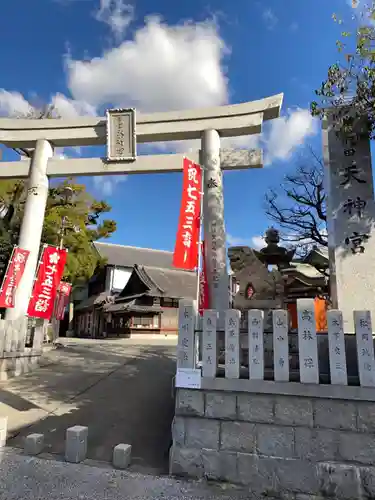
13	104
270	19
287	133
258	242
163	68
69	108
116	14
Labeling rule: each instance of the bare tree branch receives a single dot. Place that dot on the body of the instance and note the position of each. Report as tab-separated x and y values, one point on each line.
298	206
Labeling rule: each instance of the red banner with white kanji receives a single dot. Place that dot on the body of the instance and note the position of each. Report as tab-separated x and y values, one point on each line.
186	249
203	286
48	278
62	299
12	278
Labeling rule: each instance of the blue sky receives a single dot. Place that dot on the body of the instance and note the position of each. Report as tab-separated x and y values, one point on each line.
86	55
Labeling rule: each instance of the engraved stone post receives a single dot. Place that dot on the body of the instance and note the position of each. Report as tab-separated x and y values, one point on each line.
307	342
365	348
336	342
350	218
280	345
214	227
186	326
209	347
256	345
232	343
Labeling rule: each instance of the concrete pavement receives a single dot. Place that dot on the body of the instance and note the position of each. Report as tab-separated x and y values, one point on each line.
34	478
120	388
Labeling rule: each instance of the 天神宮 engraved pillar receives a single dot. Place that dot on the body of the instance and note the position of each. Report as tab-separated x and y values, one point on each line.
350	220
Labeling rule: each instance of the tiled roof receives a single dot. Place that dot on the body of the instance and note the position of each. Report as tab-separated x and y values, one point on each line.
172	283
94	300
126	256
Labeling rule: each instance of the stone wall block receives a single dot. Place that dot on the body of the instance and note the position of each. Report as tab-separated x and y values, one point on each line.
339	481
202	433
316	444
366	417
220	466
190	402
275	441
356	447
367	478
238	436
247	470
333	414
178	431
221	405
294	411
186	462
255	408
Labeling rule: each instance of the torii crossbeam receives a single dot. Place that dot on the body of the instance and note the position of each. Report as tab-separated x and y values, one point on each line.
205	124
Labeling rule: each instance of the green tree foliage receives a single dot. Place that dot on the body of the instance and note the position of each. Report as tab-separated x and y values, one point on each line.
78	220
352	80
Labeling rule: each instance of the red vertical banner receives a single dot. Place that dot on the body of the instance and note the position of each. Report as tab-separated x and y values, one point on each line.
12	278
186	248
62	299
48	278
203	285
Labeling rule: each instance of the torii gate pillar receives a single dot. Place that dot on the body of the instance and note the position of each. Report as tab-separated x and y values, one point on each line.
32	224
214	225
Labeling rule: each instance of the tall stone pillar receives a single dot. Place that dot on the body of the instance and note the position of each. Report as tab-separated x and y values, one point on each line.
350	220
214	226
32	224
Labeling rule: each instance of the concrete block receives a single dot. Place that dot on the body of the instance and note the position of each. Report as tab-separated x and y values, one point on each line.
332	414
275	441
238	436
186	462
297	476
34	444
356	447
273	477
367	478
76	444
221	405
316	444
122	456
294	411
366	417
254	408
220	465
339	481
190	402
178	431
247	470
202	433
3	431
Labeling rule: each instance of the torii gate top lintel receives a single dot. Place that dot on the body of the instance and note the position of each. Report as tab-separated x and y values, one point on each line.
230	121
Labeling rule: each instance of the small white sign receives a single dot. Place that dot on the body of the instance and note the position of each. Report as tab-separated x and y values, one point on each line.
189	378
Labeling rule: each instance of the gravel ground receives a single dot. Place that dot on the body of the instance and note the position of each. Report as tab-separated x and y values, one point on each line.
38	479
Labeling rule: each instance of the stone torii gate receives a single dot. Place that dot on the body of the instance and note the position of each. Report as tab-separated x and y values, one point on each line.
121	130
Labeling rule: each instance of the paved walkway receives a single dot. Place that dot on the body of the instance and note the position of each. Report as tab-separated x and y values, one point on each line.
35	478
121	389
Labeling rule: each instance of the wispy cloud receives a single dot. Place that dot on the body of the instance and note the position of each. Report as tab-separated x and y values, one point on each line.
106	185
270	19
117	15
294	27
256	242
